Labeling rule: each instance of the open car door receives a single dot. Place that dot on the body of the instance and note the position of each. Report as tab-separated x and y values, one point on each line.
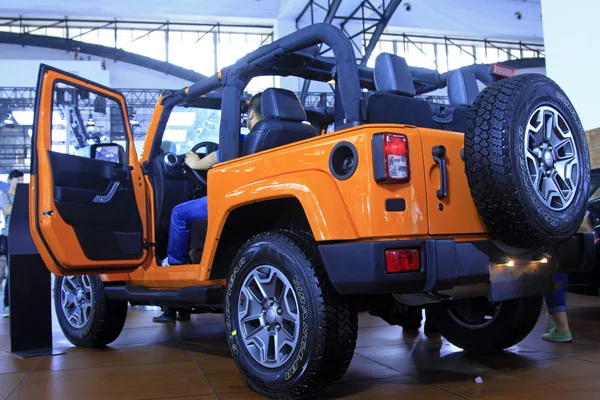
87	193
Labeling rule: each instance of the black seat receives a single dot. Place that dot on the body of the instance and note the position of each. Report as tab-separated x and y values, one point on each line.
394	100
462	88
283	123
462	91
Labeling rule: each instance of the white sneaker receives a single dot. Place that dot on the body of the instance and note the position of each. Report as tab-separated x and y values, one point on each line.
6	312
165	262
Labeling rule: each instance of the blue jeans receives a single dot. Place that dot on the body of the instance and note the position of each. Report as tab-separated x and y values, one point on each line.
557	301
179	231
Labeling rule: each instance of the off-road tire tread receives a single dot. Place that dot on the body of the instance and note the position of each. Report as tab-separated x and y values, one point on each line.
491	172
522	315
337	320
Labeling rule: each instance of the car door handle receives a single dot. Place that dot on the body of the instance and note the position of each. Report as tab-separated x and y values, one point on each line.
105	198
439	152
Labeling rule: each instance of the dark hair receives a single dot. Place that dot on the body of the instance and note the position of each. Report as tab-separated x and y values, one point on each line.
15	173
255	105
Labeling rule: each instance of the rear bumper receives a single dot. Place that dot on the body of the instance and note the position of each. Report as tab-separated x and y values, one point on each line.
359	268
578	254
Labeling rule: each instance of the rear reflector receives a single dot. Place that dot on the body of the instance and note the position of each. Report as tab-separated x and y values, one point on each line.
503	71
405	260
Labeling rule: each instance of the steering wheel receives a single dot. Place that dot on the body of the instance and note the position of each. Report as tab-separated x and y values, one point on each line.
210	147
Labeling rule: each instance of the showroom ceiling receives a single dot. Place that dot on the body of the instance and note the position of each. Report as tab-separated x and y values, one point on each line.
499	19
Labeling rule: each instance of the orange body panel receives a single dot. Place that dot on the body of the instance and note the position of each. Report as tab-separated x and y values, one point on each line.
349	210
458	214
337	210
59	236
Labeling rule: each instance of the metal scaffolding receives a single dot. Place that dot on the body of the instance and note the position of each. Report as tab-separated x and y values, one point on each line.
15	133
371	19
77	35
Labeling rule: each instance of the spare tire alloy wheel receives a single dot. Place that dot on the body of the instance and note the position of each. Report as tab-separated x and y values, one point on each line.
552	160
290	334
527	162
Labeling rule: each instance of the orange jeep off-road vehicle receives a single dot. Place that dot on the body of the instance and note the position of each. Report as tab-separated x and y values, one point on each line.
383	202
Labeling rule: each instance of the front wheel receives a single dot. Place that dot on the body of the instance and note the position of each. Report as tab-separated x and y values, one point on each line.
478	326
290	333
86	316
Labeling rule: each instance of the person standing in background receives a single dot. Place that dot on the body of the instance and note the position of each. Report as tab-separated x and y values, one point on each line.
558	326
6	202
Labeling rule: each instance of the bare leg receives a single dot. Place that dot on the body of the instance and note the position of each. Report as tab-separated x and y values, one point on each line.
562	323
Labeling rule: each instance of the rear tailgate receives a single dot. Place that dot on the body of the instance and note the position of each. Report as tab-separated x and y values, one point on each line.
454	213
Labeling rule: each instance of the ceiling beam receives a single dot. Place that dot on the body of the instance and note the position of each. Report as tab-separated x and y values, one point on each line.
381	25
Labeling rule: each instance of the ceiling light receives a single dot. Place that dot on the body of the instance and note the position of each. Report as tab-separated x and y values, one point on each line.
90	123
133	121
8	121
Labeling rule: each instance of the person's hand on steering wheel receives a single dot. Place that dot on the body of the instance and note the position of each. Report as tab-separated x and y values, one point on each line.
192	160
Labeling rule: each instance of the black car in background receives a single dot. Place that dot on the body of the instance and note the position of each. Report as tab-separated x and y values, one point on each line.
588	283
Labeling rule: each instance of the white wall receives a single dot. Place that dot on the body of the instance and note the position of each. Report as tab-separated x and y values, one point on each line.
572	56
19	67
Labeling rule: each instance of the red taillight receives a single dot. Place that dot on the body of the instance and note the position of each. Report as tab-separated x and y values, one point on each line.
503	71
405	260
395	158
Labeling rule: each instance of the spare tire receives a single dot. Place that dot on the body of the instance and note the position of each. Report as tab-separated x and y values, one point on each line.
527	162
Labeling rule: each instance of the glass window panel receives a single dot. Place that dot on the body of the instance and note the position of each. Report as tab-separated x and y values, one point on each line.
141	42
420	55
187	127
442	59
81	118
193	50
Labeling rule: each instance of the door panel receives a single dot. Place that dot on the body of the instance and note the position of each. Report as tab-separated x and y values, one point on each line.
455	213
90	213
114	229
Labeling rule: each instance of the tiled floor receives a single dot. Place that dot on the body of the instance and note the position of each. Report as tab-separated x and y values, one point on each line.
191	361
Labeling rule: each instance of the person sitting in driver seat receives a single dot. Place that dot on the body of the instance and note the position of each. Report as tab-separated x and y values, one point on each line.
184	213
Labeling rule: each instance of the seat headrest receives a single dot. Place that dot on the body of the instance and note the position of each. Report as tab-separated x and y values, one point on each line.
462	88
282	104
392	74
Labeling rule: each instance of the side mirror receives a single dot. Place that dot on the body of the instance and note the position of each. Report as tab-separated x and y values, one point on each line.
111	152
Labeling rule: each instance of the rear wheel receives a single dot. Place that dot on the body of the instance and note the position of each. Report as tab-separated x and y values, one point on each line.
527	158
86	316
289	332
478	326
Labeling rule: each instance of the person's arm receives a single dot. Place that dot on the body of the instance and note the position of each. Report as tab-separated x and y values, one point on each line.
5	203
193	161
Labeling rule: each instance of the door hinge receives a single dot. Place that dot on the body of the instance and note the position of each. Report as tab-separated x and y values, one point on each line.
147	245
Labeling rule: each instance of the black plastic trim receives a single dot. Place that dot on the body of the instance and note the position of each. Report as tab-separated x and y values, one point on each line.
377	152
439	154
395	205
194	295
440	266
336	149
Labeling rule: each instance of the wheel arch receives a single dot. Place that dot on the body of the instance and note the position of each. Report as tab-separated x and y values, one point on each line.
250	219
307	200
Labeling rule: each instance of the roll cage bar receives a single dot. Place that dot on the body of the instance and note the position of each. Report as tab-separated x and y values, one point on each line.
297	55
